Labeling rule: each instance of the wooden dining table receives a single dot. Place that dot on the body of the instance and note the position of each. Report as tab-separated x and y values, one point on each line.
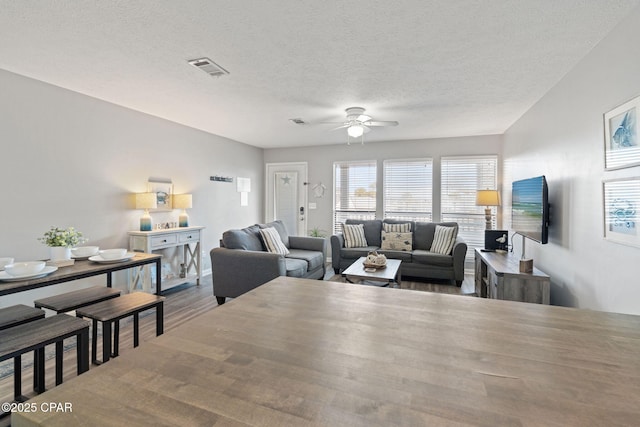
316	353
82	269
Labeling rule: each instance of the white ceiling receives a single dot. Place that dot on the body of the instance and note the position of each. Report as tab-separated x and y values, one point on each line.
440	67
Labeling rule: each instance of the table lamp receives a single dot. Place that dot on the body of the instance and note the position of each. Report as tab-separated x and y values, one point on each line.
146	201
184	202
487	198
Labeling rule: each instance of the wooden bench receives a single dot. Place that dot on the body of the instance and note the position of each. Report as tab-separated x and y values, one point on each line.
35	336
17	315
112	311
73	300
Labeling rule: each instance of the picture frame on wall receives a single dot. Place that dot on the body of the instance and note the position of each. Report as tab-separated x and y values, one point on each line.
163	188
621	139
621	203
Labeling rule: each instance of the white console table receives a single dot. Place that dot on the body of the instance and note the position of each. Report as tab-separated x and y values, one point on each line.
189	238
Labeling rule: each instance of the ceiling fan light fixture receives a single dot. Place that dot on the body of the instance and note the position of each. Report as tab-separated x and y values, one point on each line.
363	118
355	131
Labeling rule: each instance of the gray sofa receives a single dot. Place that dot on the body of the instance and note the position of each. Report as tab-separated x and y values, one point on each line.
420	262
242	263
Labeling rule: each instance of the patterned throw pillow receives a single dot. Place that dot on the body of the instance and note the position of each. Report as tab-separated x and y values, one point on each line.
272	241
443	240
397	241
398	228
354	236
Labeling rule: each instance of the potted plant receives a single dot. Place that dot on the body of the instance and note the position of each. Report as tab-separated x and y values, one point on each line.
60	241
316	232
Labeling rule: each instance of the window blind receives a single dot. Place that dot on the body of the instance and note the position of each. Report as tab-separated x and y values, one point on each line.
408	189
354	191
461	177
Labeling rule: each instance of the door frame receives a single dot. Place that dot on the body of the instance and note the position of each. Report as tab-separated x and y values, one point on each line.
270	168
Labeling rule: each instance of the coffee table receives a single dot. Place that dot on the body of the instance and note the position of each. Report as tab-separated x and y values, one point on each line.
391	274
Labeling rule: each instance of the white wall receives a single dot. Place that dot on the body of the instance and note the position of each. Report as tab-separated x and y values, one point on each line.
72	160
320	161
562	137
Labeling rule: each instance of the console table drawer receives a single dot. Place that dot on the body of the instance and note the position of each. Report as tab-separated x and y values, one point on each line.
188	237
168	239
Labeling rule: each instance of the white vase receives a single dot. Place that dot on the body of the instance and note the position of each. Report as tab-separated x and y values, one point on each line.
58	253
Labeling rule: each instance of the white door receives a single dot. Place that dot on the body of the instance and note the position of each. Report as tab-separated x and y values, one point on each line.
286	196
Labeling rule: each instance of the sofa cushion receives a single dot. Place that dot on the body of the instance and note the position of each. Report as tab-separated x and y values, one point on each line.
443	240
398	227
314	259
272	242
295	267
429	258
372	229
395	241
354	253
282	231
246	238
424	231
403	256
354	236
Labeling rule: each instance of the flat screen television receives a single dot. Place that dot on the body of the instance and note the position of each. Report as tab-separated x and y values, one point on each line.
530	208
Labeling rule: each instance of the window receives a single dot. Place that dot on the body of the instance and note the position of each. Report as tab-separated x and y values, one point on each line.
460	178
408	189
354	191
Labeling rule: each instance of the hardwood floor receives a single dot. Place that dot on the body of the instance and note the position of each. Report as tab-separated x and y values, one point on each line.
182	304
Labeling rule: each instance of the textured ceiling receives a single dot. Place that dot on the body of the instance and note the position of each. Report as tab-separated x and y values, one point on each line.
440	68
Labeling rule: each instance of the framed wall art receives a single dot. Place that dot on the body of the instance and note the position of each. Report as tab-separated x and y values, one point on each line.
621	141
163	188
621	214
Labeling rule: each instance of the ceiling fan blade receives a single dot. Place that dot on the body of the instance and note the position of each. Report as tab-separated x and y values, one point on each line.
389	123
344	125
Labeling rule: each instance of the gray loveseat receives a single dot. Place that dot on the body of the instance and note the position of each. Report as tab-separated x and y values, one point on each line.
242	263
419	262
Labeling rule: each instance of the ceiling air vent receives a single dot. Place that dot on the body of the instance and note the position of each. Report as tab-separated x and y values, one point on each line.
208	66
298	121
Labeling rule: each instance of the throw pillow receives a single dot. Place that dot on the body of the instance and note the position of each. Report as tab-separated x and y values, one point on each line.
272	241
443	240
354	236
398	228
397	241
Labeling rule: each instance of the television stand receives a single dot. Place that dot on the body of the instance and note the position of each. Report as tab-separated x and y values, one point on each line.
498	276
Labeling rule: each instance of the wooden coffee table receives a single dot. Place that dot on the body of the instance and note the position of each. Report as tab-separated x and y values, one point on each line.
391	274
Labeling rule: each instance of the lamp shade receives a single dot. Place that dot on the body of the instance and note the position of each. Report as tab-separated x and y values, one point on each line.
146	201
182	201
488	198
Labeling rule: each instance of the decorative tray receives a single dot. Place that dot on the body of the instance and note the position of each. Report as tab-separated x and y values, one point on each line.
376	266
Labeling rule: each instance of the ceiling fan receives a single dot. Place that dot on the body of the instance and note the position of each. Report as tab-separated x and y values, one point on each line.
358	123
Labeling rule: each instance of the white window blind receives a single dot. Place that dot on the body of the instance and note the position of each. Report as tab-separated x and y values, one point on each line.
354	191
408	189
461	177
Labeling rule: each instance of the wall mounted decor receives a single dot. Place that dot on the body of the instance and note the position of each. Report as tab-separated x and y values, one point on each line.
221	178
621	141
318	190
163	188
243	185
621	204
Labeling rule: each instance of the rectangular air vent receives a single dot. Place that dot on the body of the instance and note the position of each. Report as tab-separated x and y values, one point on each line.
208	66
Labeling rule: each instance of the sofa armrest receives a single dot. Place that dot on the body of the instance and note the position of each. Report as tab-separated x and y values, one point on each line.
459	254
337	243
236	271
318	244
